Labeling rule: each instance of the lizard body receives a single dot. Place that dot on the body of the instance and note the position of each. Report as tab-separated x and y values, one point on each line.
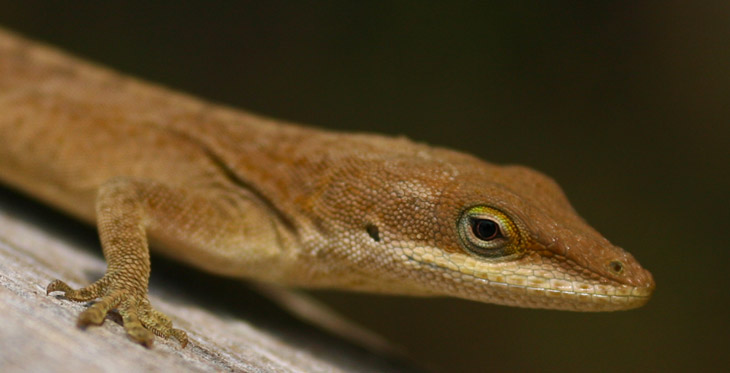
245	196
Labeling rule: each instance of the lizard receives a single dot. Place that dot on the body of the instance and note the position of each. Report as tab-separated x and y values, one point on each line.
246	196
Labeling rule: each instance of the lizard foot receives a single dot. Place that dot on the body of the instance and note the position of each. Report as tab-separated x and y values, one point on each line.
140	320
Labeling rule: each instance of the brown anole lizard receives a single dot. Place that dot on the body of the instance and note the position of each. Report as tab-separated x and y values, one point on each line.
245	196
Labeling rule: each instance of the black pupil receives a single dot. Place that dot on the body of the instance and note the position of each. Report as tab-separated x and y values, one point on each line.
485	229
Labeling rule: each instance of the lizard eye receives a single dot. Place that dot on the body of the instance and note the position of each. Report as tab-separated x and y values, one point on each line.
488	232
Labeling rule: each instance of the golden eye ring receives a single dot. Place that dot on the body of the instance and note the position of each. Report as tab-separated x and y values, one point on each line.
489	232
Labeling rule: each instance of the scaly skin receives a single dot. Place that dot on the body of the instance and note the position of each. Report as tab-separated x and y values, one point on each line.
244	196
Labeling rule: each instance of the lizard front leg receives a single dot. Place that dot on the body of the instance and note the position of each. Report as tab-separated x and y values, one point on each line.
121	219
223	228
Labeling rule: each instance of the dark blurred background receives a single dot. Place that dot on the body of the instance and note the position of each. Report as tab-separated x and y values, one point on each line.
625	104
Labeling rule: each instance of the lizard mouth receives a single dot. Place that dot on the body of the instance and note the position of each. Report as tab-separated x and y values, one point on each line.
519	289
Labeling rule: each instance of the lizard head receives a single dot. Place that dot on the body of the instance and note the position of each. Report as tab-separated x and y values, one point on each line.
444	223
516	229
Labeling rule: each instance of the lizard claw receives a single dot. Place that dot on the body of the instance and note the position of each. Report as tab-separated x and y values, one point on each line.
140	320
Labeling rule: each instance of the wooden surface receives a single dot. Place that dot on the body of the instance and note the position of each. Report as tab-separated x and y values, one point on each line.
38	333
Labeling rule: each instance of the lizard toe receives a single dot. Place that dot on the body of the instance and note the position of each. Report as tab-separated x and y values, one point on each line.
130	310
87	293
181	336
96	313
159	324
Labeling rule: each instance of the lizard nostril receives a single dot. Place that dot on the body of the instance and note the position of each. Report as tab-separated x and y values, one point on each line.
616	267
